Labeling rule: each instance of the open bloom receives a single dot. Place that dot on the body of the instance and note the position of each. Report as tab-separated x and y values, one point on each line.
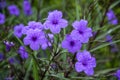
55	22
13	10
27	7
2	18
85	63
18	30
32	25
71	45
117	74
34	38
81	31
22	52
111	17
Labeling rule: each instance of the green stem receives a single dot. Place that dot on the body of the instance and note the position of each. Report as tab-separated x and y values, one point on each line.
77	10
29	68
51	59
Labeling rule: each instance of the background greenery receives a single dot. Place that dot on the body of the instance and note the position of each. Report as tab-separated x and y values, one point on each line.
92	10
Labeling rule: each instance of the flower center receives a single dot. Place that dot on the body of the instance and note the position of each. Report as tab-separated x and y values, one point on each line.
14	9
72	43
55	22
19	31
84	63
80	32
34	38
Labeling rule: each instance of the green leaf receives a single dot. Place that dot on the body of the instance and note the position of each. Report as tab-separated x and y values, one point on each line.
19	41
104	45
114	4
28	70
35	67
35	71
83	78
60	76
102	72
108	32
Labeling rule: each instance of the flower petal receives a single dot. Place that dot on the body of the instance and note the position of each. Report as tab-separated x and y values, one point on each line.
63	23
89	72
79	67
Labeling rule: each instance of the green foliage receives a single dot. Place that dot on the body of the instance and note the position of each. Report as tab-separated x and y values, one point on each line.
38	65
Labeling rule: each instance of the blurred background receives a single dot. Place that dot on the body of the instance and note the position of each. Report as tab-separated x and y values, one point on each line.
104	45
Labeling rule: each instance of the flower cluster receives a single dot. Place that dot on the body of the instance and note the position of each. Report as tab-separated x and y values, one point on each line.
111	17
35	35
14	10
78	36
37	38
85	63
34	31
73	43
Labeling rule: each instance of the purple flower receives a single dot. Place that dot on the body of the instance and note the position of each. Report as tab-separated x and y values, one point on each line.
9	78
12	60
34	38
71	45
111	17
85	63
2	18
81	31
18	30
112	46
8	45
13	10
55	22
51	37
109	38
1	56
2	4
117	74
32	25
27	8
45	44
114	49
22	52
